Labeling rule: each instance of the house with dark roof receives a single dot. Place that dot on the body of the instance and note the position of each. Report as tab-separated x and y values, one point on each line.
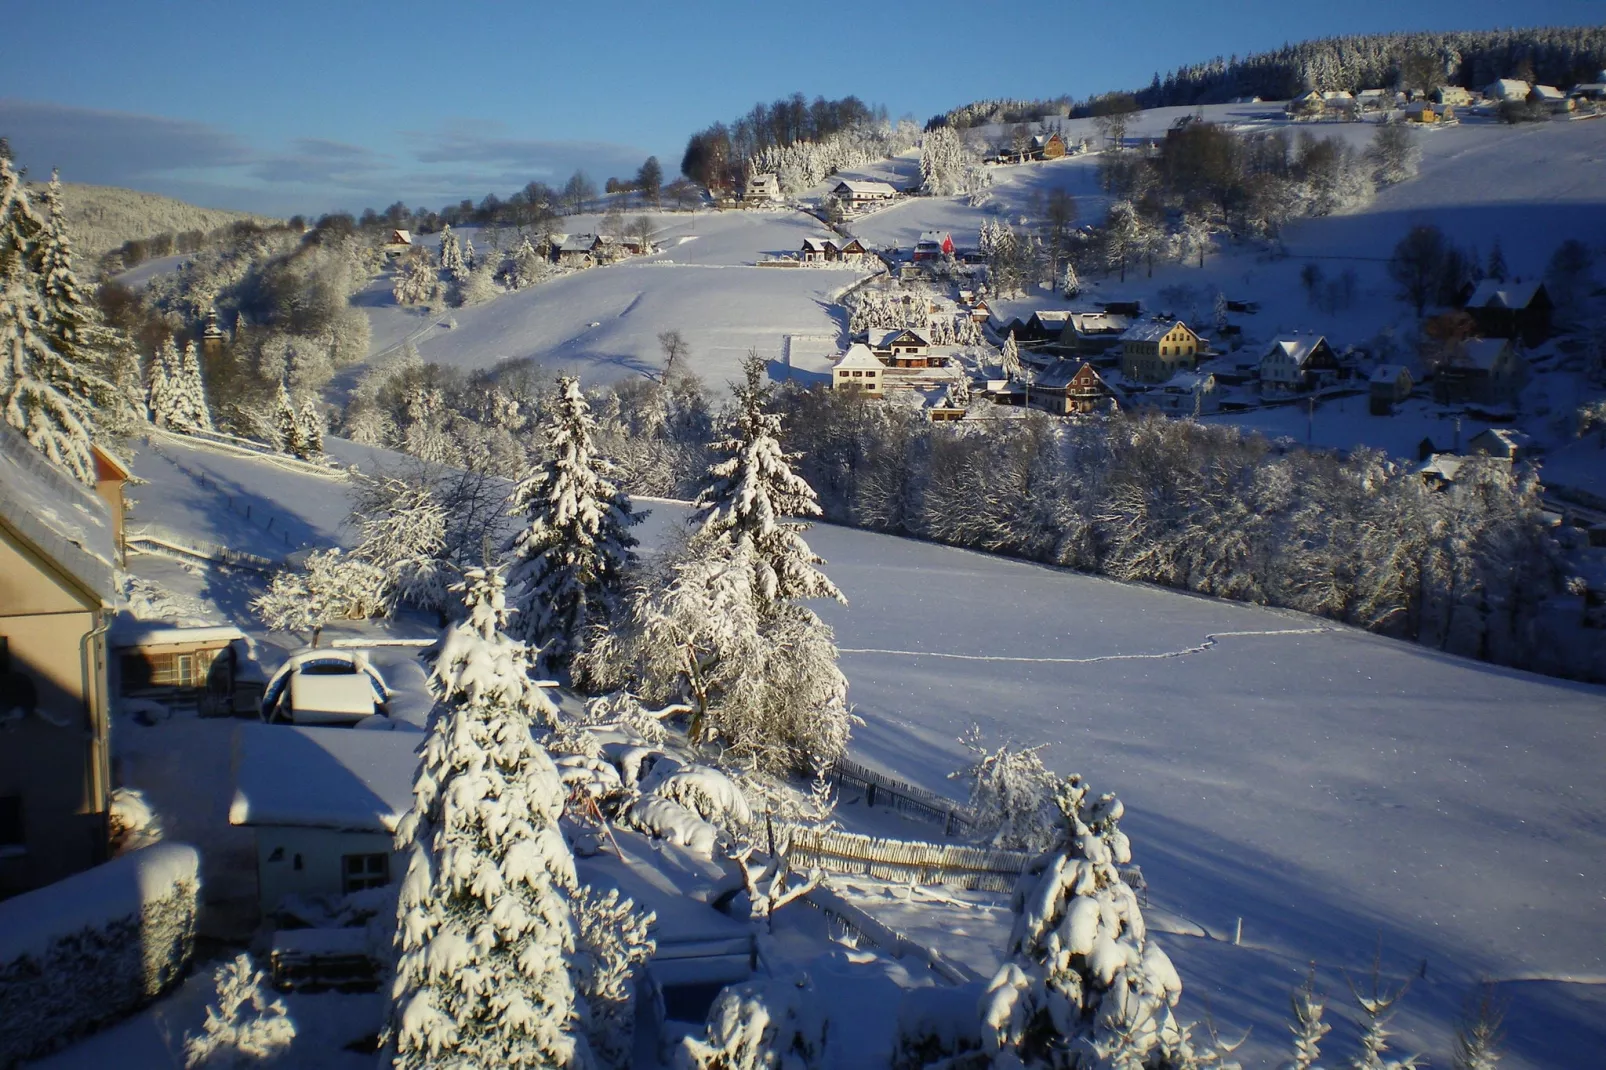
58	558
1297	364
1510	309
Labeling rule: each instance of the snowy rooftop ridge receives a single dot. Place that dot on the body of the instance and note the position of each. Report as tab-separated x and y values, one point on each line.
1483	352
1150	332
60	517
332	778
1300	348
1492	293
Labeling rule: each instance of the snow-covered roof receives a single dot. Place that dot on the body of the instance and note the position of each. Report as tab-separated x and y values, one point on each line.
817	245
1513	440
885	337
766	179
1508	89
1371	94
1491	293
575	243
1589	88
1483	352
1444	465
859	356
1152	331
1548	92
348	694
55	514
1297	349
332	778
933	237
1189	382
1389	373
1052	315
128	633
401	237
866	188
1101	322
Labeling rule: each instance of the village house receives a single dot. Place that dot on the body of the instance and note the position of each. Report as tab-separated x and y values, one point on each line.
1505	442
933	245
762	189
205	668
400	241
1297	364
1485	371
1092	333
1550	97
1508	90
1154	352
1340	103
1510	310
1048	147
58	553
1452	96
1186	392
1308	105
573	250
850	250
859	192
903	347
858	369
1428	113
1374	99
1591	91
1078	393
816	250
1388	385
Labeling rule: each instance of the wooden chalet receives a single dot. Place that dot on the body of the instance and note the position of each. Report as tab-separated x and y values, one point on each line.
1043	325
859	192
902	347
933	245
1506	442
573	250
1297	364
1048	147
399	242
1510	310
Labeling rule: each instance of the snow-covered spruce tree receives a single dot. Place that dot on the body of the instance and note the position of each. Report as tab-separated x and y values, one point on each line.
567	564
1011	794
416	280
309	421
163	369
1009	358
753	490
612	944
73	327
243	1028
190	411
288	422
47	395
1084	986
484	932
401	529
451	259
762	1025
330	587
1308	1027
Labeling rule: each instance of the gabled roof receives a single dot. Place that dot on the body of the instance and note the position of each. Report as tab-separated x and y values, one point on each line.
818	245
332	778
934	237
1491	293
401	237
1297	349
1389	373
1482	353
855	185
1508	89
1100	322
886	337
574	243
859	356
59	518
1153	331
1057	316
1515	441
1548	92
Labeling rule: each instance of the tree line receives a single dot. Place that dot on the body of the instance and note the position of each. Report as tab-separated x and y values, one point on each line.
717	157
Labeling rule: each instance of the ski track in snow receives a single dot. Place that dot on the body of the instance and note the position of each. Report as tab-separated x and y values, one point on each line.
1210	640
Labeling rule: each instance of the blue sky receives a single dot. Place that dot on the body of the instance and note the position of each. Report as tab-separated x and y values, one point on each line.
294	106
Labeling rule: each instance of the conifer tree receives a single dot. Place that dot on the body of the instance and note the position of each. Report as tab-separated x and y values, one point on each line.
190	412
310	422
1009	357
46	394
451	260
161	385
288	422
1497	263
569	561
484	932
753	491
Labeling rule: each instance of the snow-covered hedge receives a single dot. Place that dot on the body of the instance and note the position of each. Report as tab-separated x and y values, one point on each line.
85	951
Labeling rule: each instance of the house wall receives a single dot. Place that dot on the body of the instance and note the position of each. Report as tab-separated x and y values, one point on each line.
58	773
308	861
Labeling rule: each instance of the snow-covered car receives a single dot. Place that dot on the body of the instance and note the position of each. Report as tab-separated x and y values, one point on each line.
325	687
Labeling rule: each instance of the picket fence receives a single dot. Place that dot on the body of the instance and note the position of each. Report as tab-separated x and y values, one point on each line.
882	790
906	861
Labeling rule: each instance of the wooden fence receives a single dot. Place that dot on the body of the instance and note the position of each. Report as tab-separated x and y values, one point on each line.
908	861
882	790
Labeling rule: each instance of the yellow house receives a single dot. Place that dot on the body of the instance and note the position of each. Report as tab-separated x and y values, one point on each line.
57	559
859	369
1154	352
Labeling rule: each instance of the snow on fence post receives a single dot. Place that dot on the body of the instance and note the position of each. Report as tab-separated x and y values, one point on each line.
88	950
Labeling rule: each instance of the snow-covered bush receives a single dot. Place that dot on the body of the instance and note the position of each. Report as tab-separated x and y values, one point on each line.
243	1027
484	932
1011	795
707	792
611	946
330	587
88	950
621	709
761	1025
935	1024
133	823
401	528
666	819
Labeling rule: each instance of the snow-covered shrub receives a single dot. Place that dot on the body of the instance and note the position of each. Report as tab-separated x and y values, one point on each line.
243	1027
1084	986
612	944
87	950
590	775
330	587
668	820
621	709
133	823
761	1025
1011	794
402	530
710	794
483	930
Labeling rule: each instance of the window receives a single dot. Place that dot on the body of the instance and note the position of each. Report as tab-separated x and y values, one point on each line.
364	871
11	832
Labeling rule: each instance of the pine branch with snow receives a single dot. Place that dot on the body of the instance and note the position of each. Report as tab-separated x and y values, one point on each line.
612	945
1308	1027
1376	1004
484	931
569	562
243	1027
1478	1034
